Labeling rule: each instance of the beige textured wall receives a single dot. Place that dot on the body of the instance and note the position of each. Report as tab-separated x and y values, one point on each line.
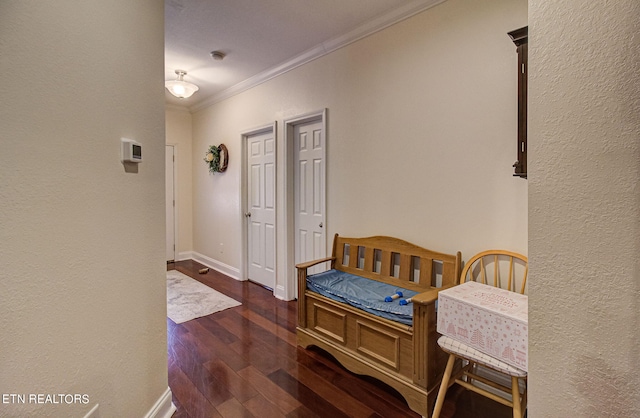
179	134
584	209
82	286
421	135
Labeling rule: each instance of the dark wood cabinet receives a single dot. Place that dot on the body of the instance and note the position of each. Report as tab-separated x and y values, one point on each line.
520	38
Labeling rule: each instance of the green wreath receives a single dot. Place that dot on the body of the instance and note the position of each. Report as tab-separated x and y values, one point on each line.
217	158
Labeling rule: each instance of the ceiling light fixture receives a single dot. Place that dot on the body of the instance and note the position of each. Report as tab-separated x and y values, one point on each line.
180	88
218	55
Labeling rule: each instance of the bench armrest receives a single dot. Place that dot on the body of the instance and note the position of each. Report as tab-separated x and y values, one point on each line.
429	296
306	265
302	288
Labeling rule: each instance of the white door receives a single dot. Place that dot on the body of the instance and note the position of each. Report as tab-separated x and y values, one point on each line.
170	202
261	210
309	192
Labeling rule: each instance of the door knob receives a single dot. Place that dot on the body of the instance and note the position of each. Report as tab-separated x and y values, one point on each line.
247	214
320	225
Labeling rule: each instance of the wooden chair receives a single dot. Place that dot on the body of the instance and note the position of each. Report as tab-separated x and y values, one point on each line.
487	267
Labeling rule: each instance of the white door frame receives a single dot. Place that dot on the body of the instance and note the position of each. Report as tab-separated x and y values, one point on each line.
175	193
286	252
244	268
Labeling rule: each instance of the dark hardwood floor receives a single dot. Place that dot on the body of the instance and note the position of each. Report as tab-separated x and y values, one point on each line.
244	362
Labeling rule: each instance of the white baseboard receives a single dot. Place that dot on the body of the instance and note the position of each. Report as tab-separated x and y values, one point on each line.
279	293
230	271
164	408
93	413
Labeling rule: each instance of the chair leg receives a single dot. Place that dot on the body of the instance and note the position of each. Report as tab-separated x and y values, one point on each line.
515	393
444	385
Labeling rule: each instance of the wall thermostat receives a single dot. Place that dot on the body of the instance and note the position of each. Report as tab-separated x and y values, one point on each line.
131	151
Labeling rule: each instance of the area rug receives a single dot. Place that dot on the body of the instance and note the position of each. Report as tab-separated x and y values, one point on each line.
188	299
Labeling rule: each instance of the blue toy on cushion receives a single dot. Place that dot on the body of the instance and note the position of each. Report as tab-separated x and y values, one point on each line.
405	301
393	297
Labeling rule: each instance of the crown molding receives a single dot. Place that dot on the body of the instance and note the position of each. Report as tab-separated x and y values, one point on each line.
369	28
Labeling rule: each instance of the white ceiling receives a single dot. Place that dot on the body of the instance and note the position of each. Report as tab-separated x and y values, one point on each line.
263	38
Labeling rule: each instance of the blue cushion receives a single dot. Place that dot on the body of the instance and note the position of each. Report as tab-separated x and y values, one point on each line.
363	293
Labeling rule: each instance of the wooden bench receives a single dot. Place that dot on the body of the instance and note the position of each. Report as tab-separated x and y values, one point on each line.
405	357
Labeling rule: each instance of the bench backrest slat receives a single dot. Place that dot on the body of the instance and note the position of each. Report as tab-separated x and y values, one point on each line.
405	273
353	256
426	269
